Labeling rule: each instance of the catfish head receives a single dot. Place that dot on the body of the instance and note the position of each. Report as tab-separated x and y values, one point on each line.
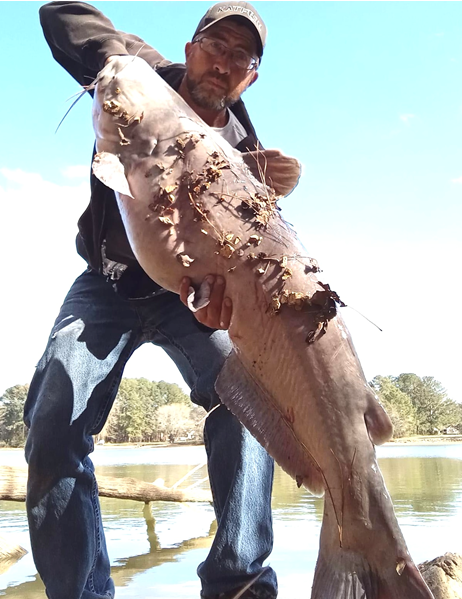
119	108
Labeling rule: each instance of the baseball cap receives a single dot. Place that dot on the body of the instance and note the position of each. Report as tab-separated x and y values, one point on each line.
245	10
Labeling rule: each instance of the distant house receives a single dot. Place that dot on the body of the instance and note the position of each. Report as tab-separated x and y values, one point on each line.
189	437
451	430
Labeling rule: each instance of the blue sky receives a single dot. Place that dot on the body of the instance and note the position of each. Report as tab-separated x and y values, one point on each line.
367	95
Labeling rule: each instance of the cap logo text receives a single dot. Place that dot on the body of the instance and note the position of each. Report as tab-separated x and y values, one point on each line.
246	11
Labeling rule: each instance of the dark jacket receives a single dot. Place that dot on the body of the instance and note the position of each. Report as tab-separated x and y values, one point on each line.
81	38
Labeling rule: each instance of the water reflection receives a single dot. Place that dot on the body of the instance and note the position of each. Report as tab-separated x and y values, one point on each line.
424	489
139	524
157	555
126	568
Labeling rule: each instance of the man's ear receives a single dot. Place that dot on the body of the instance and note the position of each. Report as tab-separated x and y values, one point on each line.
254	78
188	49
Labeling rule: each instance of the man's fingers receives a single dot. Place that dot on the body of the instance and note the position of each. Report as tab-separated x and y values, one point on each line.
216	302
284	165
184	290
226	312
272	154
283	174
209	304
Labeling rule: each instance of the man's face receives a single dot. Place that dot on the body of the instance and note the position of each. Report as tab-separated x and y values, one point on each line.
215	82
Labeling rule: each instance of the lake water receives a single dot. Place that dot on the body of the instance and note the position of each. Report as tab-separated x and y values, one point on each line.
159	560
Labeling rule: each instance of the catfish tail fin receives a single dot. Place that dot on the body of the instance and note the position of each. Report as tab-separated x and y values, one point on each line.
348	575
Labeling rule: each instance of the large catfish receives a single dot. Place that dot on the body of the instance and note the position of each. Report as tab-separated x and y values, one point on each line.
191	207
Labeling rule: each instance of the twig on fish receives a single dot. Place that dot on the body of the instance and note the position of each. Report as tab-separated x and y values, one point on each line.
203	215
340	524
261	172
263	208
233	196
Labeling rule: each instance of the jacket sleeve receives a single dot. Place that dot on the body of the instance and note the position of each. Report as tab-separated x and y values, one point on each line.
81	38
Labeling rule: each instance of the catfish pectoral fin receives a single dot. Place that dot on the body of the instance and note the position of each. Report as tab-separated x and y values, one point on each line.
110	171
258	411
378	423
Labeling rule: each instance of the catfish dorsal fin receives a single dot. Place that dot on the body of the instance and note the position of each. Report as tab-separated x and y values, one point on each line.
254	406
110	171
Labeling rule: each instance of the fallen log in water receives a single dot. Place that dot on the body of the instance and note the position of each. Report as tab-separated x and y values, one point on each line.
13	488
10	553
444	576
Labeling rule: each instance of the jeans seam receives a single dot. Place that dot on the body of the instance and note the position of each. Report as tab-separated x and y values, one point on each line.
216	503
97	514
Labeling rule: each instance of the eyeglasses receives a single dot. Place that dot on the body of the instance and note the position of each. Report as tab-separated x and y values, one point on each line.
239	58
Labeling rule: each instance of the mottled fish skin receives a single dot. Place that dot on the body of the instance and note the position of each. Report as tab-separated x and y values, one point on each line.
191	207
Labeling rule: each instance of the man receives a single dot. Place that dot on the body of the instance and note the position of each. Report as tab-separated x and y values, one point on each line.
113	308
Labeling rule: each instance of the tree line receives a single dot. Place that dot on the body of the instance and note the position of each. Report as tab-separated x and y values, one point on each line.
417	405
143	412
147	411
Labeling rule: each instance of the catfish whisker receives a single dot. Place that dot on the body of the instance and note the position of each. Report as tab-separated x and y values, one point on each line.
80	94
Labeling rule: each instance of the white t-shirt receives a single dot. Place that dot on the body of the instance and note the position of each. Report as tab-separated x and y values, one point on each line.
233	131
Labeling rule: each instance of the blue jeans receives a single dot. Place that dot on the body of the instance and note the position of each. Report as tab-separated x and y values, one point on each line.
70	397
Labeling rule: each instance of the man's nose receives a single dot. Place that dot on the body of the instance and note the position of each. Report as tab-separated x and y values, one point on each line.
222	64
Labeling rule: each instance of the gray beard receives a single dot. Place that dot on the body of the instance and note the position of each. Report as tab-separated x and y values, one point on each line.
205	100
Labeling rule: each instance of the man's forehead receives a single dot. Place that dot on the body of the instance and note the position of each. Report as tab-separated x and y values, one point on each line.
237	32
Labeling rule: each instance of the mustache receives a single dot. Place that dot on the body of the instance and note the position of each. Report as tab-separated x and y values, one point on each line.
223	79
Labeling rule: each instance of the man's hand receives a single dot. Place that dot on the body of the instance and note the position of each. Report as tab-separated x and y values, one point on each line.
217	313
274	168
